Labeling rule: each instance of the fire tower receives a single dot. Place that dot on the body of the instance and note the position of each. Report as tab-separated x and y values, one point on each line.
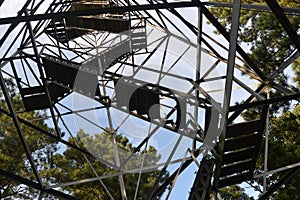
154	71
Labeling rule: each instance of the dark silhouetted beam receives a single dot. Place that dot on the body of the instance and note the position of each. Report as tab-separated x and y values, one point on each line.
143	7
286	24
42	131
282	181
265	102
224	32
251	7
171	178
34	185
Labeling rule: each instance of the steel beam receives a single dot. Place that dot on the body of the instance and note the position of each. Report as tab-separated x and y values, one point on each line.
228	90
282	67
18	129
286	63
226	35
277	170
164	169
282	181
286	24
194	30
252	7
201	186
111	10
42	76
163	186
132	171
13	24
265	102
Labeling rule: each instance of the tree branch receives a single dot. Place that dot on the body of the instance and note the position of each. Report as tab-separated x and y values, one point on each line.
256	187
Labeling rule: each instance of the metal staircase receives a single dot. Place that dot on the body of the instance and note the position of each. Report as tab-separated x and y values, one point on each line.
70	75
66	29
57	30
241	148
62	75
62	78
35	98
201	186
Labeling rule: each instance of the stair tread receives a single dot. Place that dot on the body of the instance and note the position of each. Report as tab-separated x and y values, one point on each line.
236	168
244	128
244	142
238	156
235	179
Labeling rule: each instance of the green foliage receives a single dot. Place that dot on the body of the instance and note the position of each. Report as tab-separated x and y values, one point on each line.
234	192
284	149
12	154
269	42
72	166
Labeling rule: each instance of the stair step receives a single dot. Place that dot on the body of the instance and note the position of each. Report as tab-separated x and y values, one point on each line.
243	142
60	29
138	35
236	168
32	90
35	98
139	46
244	128
59	34
88	5
138	40
235	179
238	156
36	102
53	30
138	27
58	24
113	25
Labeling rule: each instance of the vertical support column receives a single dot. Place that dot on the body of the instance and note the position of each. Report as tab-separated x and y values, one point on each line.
130	35
265	185
198	63
111	129
228	90
199	39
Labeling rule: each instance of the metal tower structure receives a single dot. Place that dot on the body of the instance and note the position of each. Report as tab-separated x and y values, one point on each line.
152	70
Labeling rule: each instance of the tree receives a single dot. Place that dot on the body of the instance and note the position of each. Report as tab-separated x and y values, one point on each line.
12	154
284	149
268	41
234	192
71	165
270	46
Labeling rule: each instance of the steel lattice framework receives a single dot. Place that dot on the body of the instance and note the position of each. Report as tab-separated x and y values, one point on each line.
150	62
